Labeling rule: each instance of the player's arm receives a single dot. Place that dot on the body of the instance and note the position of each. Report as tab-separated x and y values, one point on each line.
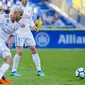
10	38
33	24
31	21
10	41
35	27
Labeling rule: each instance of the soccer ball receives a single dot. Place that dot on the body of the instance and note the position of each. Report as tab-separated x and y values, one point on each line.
80	72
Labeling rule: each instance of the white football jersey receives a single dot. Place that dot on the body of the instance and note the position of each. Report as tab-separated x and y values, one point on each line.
7	28
27	17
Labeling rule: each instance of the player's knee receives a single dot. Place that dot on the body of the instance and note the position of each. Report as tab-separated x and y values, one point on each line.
6	55
33	49
19	53
8	59
19	50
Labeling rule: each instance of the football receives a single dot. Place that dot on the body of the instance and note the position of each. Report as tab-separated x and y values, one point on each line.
80	73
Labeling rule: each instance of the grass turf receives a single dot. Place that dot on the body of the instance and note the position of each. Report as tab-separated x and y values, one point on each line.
58	65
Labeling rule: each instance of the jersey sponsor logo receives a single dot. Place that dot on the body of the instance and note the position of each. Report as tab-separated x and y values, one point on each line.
42	39
6	16
8	31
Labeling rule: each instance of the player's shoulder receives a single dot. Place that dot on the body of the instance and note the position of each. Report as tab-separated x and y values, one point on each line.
3	17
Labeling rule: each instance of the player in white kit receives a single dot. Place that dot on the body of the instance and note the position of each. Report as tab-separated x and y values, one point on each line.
8	26
24	36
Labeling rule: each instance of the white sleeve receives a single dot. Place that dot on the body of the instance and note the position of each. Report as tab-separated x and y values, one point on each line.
1	19
31	18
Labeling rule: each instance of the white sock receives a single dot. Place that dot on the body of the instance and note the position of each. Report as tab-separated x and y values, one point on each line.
4	69
36	60
15	62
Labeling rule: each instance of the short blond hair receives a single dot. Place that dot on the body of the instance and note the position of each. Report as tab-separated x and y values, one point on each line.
16	9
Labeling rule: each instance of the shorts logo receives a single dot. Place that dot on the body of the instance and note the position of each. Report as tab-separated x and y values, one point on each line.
42	39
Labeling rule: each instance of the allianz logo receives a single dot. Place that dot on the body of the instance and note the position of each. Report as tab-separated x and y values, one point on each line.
42	39
71	39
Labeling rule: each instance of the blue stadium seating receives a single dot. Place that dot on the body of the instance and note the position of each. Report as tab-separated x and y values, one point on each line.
51	11
35	1
43	8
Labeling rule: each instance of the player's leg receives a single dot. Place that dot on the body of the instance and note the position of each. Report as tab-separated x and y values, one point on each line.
6	80
16	61
5	66
36	59
19	41
6	55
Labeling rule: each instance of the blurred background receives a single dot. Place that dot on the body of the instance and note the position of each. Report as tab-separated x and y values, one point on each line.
53	13
54	18
61	42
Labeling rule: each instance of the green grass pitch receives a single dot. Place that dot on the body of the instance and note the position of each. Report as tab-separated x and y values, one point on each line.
59	66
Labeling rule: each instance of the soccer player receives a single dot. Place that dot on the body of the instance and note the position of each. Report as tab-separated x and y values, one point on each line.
24	36
8	26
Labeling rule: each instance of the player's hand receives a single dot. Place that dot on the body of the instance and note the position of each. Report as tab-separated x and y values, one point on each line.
22	25
9	44
10	41
36	29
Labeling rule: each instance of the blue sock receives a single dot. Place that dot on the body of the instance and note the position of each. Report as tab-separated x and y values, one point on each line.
3	77
13	71
39	71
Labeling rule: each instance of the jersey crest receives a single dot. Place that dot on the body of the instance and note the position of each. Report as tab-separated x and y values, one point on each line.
7	21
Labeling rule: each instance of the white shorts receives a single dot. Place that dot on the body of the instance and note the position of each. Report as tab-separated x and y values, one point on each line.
4	50
27	39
